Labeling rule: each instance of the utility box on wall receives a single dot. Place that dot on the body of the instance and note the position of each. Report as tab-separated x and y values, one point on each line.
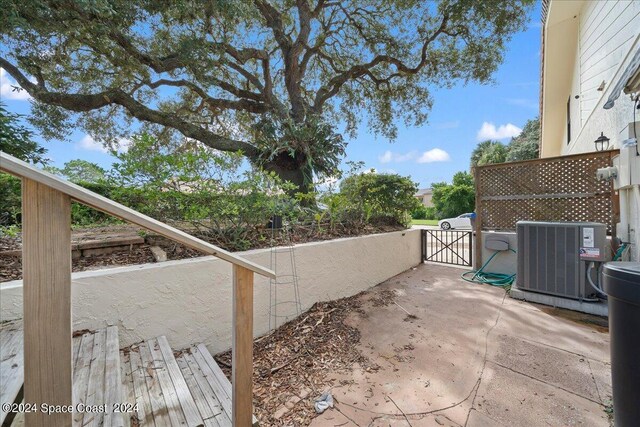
553	256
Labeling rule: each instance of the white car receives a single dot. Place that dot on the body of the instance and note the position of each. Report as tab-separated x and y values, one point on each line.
462	221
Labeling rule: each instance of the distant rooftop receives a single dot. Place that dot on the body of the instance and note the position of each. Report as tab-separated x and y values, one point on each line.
424	191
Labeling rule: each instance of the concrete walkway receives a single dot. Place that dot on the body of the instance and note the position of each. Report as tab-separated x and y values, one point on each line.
472	357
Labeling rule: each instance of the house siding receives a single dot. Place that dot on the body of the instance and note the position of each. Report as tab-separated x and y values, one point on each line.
588	43
609	34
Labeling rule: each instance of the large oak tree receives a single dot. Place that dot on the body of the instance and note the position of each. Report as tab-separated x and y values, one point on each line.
271	78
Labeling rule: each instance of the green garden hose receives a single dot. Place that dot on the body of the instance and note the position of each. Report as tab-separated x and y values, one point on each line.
493	279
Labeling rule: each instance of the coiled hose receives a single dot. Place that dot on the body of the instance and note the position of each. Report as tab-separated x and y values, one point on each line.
487	278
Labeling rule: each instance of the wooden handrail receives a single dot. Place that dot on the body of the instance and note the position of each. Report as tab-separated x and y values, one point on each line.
46	257
22	169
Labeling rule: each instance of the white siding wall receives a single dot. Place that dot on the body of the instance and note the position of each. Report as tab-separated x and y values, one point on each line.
609	35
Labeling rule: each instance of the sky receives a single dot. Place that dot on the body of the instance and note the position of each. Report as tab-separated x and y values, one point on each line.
459	119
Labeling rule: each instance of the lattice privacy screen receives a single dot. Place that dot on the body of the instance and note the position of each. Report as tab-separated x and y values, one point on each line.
551	189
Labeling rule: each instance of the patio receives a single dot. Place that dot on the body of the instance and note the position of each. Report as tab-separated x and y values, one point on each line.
472	357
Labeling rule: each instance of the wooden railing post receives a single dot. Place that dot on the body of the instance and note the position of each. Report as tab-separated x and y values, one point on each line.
242	351
46	264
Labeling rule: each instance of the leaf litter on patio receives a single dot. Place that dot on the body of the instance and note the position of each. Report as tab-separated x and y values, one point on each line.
292	365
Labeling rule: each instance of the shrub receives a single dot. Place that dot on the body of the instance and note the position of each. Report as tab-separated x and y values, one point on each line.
432	213
83	215
380	198
202	190
9	199
420	212
451	200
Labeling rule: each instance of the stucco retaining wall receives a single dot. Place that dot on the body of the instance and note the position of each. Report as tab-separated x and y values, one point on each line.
189	301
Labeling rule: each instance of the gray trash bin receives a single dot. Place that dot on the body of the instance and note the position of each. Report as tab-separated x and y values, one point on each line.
622	285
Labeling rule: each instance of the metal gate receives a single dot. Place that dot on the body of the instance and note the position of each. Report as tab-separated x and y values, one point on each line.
448	247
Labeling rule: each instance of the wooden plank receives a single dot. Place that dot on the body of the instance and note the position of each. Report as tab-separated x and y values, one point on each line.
219	376
189	408
159	407
46	266
19	168
204	370
141	391
203	382
11	364
95	386
128	392
242	347
168	390
113	378
81	373
201	400
76	350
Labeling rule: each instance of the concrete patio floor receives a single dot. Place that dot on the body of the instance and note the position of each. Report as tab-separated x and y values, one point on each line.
472	357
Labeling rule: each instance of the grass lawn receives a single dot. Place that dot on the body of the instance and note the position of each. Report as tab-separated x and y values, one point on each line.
424	222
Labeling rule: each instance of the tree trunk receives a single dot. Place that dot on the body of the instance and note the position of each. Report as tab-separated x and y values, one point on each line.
294	170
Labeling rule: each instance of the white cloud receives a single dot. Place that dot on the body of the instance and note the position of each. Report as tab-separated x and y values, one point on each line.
7	90
123	144
388	157
90	144
434	155
489	131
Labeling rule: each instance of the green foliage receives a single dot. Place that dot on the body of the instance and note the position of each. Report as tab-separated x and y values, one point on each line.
79	170
451	200
525	146
419	212
216	71
522	147
380	198
314	144
17	140
84	216
488	152
10	231
423	212
201	189
432	213
10	200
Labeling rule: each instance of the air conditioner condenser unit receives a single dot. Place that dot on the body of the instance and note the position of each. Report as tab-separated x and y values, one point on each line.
553	257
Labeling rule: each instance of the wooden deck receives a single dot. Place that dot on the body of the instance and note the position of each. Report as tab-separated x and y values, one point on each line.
187	388
96	377
11	362
155	386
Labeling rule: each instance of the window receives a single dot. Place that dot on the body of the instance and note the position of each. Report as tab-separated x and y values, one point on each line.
569	120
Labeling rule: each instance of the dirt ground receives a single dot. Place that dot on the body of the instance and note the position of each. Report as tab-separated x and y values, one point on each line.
11	264
428	349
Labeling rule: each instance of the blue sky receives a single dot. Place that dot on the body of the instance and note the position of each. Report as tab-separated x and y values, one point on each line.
459	119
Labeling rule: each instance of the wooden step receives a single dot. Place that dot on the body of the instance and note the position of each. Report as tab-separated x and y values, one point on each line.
97	377
155	382
96	373
211	394
186	388
210	379
11	365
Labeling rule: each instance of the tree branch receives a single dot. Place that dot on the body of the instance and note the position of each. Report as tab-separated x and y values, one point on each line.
88	102
334	84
